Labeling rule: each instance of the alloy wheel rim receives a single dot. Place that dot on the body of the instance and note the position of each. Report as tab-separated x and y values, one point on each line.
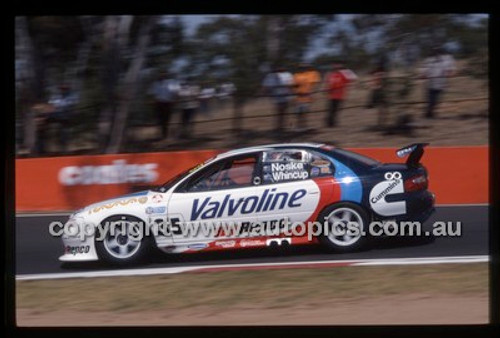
340	221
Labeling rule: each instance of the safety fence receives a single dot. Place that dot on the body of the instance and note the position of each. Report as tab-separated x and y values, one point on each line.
246	117
292	95
318	111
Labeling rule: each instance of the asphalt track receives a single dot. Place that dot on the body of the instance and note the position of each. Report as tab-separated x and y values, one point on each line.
37	251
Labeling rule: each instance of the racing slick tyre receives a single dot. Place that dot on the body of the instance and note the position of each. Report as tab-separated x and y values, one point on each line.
123	246
346	224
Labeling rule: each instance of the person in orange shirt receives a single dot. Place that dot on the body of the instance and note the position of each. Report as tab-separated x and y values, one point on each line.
336	84
306	79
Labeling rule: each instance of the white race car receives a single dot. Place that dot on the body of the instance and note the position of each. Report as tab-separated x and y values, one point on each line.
258	191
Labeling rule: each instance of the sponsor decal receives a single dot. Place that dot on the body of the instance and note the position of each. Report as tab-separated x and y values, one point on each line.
124	202
393	184
314	171
320	163
225	244
252	242
267	201
157	198
325	170
118	172
198	246
287	166
405	151
278	241
156	210
77	249
287	171
248	228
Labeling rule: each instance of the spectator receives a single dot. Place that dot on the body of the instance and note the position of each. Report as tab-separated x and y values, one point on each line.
41	113
206	95
336	84
64	104
306	80
224	92
437	69
165	92
378	84
189	97
279	85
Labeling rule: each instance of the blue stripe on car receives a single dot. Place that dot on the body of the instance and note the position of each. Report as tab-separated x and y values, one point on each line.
350	184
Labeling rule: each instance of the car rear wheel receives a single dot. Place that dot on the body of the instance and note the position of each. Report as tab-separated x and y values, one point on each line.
347	227
123	243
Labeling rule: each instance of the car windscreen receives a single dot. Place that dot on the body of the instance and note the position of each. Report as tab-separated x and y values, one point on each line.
174	180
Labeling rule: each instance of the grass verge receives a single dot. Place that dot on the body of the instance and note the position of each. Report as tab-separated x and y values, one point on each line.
266	289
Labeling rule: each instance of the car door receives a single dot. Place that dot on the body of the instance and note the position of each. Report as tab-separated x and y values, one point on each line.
286	180
223	192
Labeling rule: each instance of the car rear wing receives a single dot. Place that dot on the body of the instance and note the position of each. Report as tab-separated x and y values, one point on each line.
416	151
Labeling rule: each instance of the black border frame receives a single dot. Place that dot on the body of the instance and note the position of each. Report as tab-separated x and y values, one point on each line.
260	7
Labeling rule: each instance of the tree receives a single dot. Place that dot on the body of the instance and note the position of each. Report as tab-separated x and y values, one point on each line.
364	38
27	91
248	46
130	82
45	49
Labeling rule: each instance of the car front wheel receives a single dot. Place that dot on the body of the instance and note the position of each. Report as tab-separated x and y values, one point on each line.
124	243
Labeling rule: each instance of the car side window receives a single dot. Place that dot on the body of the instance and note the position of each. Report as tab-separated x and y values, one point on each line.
285	165
289	165
232	173
201	181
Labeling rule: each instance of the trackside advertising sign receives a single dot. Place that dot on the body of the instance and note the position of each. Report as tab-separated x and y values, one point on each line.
71	182
118	172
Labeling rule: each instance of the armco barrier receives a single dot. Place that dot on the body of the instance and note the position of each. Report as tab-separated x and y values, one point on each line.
458	175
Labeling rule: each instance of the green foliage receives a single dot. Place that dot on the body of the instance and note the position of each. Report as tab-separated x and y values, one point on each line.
237	48
364	37
56	38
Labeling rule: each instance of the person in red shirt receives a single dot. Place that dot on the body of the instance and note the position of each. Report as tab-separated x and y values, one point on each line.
336	84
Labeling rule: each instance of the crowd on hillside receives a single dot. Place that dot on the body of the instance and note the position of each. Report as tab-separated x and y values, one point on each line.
289	91
294	91
189	98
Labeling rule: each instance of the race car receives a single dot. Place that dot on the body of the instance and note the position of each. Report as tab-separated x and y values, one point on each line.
272	187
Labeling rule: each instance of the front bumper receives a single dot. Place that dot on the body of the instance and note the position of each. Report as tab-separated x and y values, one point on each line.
77	249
